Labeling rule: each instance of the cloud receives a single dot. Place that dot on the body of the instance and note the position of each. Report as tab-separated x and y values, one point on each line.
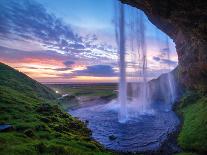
156	58
9	53
29	21
77	46
62	69
164	61
169	62
97	70
44	56
44	68
69	63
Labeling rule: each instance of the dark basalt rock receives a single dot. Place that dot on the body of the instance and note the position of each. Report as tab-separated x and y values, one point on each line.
112	137
185	21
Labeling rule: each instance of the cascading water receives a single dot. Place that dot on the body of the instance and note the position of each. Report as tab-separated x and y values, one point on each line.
168	84
122	66
171	82
139	93
143	92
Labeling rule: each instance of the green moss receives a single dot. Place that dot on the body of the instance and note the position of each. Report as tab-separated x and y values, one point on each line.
193	135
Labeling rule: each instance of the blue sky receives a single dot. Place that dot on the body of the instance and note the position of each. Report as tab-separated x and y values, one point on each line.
71	40
82	13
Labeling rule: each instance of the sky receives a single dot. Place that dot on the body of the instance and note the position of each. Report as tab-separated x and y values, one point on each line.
73	41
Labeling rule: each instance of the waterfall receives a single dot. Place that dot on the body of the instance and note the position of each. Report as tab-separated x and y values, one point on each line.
170	78
144	91
169	84
122	66
139	95
134	97
139	89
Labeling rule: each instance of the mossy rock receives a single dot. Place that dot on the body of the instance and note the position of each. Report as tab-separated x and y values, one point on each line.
29	133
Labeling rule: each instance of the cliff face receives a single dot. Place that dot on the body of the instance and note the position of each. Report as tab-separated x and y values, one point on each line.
159	89
185	21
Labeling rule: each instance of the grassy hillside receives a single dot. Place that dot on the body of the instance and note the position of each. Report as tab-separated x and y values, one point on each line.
193	135
38	124
15	80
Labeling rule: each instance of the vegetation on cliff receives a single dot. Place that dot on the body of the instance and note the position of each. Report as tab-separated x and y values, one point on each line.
193	110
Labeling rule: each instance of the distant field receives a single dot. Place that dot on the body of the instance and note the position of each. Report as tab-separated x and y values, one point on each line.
84	94
99	90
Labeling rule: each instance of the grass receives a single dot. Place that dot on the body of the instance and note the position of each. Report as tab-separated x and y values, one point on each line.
89	92
193	135
98	90
39	124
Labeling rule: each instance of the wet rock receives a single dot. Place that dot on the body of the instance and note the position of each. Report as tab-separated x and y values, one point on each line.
112	137
5	127
29	133
86	122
